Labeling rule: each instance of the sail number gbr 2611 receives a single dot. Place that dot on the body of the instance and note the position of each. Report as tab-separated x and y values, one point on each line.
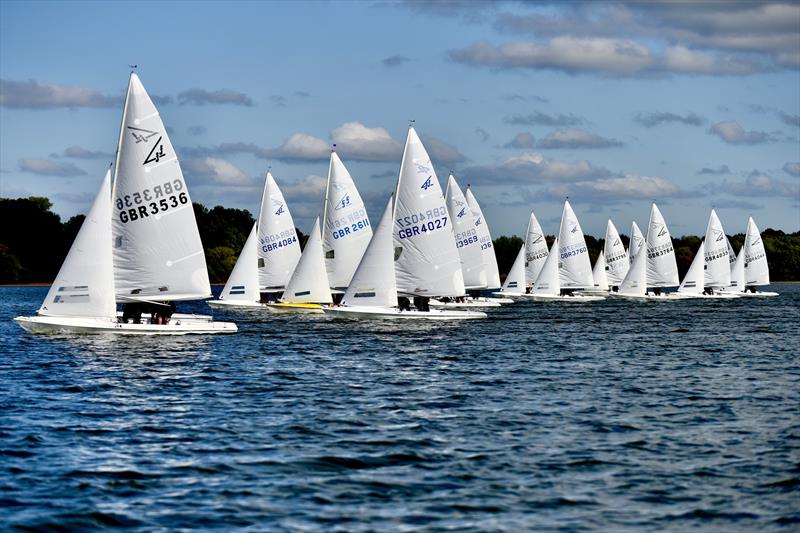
422	223
147	202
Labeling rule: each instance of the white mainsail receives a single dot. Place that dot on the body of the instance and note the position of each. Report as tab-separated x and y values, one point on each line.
309	281
485	237
515	280
84	285
731	254
756	268
636	242
547	283
693	281
535	250
466	234
575	268
157	250
427	261
718	271
662	267
346	230
373	283
242	285
278	246
599	273
635	282
616	257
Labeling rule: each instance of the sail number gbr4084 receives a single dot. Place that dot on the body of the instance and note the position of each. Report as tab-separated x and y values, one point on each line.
151	201
422	223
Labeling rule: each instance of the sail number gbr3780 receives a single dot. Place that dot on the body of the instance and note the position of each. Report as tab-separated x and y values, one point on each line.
151	201
422	223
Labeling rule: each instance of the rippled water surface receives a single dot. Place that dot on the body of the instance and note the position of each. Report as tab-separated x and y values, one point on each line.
617	415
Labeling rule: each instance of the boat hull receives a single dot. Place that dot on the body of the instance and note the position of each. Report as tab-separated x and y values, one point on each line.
575	298
233	304
468	304
309	308
650	297
379	313
758	294
179	325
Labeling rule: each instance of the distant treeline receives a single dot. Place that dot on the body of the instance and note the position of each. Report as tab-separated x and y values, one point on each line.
34	242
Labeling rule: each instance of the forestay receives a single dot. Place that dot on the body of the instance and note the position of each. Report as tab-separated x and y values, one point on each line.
487	246
575	268
718	271
616	257
346	230
373	284
84	285
242	285
427	262
309	282
278	246
662	268
466	234
756	269
535	250
157	250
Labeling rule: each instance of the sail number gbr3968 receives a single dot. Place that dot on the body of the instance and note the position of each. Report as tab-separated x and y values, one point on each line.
151	201
422	223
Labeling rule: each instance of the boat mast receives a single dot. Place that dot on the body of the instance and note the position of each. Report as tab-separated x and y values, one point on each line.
121	133
402	164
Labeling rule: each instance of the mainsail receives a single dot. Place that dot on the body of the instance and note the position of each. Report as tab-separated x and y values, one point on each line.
616	257
662	267
309	281
718	271
535	250
515	280
242	285
485	237
547	282
84	285
635	282
756	269
345	230
575	268
693	281
636	242
466	233
427	261
157	250
599	273
278	246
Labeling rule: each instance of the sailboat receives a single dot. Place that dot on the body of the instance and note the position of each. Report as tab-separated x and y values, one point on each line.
346	230
466	226
241	289
657	267
514	284
278	245
535	250
485	240
426	260
309	286
616	257
756	268
717	275
372	293
693	284
567	266
143	251
600	275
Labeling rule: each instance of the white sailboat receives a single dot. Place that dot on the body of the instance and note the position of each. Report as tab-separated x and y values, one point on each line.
143	250
600	275
372	293
636	242
485	239
309	286
536	251
567	266
616	257
346	230
465	227
756	268
514	284
717	266
241	289
693	284
657	267
278	245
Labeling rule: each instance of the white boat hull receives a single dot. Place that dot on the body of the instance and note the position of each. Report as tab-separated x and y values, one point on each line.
504	295
228	304
650	297
574	298
758	294
364	312
180	324
468	304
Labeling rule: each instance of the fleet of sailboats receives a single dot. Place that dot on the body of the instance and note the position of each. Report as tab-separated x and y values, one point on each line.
139	247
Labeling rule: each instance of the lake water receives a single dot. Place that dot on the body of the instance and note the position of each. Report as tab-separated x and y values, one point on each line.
615	416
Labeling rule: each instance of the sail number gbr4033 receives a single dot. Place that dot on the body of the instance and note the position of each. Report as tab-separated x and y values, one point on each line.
151	201
420	224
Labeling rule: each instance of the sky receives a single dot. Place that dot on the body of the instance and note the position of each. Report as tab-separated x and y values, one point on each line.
613	104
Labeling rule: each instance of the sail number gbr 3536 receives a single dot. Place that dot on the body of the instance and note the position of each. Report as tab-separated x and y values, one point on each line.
151	201
422	223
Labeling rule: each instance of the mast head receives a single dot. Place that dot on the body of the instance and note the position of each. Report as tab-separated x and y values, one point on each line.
133	68
411	123
333	147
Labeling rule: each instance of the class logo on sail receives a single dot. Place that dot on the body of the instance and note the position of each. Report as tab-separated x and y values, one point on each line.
280	209
428	183
462	212
537	237
344	202
143	135
718	235
156	153
574	229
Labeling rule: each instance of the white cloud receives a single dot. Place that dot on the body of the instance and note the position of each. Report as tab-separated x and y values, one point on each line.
78	152
356	141
613	189
47	167
530	168
732	132
301	147
214	171
521	140
792	168
760	184
223	96
576	138
31	94
680	59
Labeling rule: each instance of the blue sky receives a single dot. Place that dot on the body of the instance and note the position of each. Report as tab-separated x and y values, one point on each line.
615	104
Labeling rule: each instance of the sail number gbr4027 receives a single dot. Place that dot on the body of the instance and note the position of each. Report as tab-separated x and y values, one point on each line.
420	224
151	201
